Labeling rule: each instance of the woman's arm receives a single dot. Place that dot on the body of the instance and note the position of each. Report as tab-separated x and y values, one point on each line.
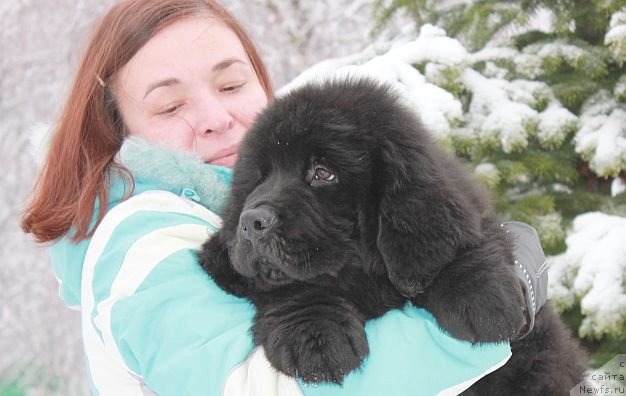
411	355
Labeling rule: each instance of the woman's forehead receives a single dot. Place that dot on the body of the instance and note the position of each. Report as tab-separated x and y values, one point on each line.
189	47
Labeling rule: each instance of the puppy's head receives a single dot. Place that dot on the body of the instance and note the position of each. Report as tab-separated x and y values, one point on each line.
316	183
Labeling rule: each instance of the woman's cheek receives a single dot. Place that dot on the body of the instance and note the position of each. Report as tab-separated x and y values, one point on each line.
251	110
173	135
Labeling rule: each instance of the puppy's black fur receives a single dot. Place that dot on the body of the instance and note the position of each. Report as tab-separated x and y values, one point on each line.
342	208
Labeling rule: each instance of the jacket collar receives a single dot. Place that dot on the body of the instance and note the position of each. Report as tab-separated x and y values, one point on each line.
156	168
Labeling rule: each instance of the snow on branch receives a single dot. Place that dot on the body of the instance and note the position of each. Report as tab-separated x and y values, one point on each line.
436	74
433	71
601	139
615	38
593	271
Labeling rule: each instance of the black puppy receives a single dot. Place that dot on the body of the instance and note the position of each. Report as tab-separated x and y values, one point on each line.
342	208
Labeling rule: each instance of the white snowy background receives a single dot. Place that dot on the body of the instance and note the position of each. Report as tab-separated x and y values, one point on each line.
40	42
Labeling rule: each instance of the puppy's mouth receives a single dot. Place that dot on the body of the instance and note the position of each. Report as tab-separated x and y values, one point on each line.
268	263
275	260
270	274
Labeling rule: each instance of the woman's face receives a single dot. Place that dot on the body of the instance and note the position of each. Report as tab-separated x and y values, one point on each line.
191	87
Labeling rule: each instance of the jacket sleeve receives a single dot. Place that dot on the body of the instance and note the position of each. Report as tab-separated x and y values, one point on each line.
154	322
411	355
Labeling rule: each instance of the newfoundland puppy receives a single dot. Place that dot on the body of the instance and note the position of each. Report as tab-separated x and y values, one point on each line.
343	208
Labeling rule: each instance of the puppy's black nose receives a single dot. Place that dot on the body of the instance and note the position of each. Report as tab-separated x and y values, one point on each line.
256	222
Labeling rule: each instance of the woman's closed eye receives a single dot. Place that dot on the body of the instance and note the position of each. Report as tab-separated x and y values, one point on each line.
170	109
231	88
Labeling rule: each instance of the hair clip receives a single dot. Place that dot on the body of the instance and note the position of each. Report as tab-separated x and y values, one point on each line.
101	81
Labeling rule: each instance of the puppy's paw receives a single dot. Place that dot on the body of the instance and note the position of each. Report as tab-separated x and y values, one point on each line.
488	312
409	285
313	347
478	297
323	352
481	321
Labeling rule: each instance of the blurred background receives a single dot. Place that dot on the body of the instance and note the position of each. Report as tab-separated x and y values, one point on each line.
530	93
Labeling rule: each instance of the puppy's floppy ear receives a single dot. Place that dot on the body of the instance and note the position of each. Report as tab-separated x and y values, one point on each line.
425	215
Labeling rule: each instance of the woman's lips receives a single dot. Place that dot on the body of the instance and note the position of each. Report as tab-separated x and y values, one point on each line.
227	161
226	157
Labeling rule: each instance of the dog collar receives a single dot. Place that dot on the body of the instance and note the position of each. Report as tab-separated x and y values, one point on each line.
530	267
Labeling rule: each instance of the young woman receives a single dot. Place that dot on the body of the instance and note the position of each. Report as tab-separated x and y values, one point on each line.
136	176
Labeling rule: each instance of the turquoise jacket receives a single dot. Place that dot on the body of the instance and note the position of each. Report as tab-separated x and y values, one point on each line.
154	323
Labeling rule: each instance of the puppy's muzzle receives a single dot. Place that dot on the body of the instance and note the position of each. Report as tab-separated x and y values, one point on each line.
257	222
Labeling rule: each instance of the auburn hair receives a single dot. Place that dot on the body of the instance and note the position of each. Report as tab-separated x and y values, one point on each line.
90	130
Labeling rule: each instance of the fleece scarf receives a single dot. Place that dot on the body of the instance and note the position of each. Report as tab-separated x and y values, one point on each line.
180	172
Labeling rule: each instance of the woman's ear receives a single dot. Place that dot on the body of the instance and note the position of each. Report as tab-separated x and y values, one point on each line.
424	214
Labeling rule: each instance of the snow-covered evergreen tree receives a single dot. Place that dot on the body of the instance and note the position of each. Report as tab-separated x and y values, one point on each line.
541	118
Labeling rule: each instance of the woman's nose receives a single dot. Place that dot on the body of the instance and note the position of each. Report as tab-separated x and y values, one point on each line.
213	116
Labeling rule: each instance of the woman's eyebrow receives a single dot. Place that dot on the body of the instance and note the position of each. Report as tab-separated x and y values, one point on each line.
226	63
162	83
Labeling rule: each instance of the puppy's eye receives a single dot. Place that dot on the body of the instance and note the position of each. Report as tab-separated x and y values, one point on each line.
320	175
324	174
